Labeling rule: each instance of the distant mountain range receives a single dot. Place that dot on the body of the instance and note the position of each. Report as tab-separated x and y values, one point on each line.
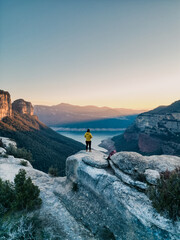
100	124
66	113
153	132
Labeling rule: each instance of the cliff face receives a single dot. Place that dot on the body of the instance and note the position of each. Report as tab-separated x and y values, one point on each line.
5	104
161	123
155	132
97	201
22	107
48	147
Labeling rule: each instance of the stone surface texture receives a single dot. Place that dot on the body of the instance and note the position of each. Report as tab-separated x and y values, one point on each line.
96	201
22	107
5	104
152	176
155	132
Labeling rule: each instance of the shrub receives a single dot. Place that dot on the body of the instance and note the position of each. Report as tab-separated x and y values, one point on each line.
27	194
166	195
24	227
7	194
75	187
1	143
22	195
53	172
24	163
4	155
19	152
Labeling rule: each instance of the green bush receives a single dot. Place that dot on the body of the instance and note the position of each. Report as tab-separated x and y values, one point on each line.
1	143
7	194
24	163
75	187
4	155
19	152
27	194
53	172
22	195
166	195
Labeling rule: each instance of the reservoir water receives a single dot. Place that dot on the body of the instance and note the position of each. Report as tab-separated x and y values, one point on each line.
98	136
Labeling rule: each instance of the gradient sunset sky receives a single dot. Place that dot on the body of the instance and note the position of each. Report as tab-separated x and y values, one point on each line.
116	53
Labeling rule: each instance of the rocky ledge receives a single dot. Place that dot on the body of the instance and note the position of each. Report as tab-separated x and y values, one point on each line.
154	132
100	199
5	104
23	107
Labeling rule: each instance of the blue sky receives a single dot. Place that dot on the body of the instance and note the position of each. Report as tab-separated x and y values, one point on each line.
118	53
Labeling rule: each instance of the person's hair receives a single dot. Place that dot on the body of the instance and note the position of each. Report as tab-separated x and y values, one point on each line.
88	130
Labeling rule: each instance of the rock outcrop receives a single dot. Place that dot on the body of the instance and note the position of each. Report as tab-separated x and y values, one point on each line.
23	107
5	104
98	201
154	132
111	201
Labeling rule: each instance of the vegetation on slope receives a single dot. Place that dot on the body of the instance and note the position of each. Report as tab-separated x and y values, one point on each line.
166	195
19	152
22	195
48	148
17	202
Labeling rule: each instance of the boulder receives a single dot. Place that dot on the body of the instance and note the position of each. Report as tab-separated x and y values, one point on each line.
152	176
127	179
95	159
131	162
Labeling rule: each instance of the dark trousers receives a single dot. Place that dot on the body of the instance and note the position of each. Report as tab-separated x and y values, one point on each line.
88	144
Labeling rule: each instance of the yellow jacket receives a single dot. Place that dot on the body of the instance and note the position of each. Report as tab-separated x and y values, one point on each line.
88	136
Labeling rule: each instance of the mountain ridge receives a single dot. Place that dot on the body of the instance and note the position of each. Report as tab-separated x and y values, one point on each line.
49	149
68	113
153	132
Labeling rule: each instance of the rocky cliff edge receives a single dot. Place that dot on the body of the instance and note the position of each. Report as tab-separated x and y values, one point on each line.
101	201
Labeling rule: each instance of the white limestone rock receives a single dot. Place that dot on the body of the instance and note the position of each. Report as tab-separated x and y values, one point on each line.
127	179
2	150
103	201
129	162
95	159
118	206
152	176
7	142
52	210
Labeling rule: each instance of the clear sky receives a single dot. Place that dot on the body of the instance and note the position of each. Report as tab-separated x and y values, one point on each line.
117	53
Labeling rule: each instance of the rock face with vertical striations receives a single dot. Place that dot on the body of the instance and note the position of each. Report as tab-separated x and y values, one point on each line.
154	132
48	147
23	107
5	104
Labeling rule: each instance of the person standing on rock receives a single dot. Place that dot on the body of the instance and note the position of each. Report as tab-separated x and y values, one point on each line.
88	137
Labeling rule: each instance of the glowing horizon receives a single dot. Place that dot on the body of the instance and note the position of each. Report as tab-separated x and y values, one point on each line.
121	54
126	106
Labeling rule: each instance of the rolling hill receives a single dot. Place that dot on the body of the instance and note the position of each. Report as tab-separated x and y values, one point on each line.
66	113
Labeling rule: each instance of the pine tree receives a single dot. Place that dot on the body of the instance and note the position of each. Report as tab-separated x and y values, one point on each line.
27	194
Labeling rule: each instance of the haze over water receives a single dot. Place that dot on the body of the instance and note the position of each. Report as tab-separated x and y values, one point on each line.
98	136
